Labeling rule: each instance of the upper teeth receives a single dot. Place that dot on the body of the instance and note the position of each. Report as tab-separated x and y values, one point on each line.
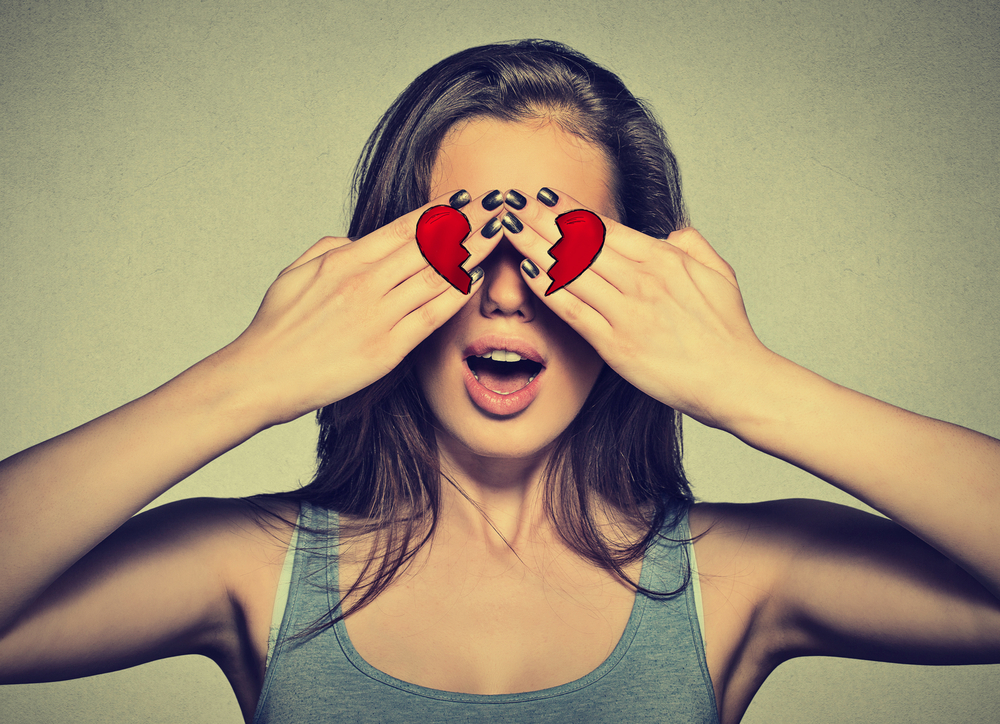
501	355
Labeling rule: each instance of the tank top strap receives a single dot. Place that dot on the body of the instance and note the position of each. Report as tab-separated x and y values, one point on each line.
669	557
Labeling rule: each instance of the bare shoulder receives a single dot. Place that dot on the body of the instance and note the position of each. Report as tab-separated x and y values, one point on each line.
760	539
744	552
738	564
235	538
193	576
789	578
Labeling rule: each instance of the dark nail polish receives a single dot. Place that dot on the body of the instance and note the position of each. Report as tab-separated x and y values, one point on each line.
491	228
512	223
476	274
529	268
493	200
460	199
547	196
513	198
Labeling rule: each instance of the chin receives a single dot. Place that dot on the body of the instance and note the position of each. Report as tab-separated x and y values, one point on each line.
496	447
529	434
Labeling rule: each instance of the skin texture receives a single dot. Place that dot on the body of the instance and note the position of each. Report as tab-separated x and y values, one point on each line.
99	590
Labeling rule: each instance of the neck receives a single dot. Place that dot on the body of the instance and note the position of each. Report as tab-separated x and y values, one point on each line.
500	501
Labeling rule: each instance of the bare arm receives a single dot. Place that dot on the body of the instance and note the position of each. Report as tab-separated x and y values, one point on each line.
939	481
668	316
794	578
61	498
339	318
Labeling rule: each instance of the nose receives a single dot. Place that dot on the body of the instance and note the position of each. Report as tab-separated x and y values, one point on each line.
504	293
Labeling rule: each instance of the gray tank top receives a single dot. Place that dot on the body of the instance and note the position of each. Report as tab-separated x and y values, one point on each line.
656	673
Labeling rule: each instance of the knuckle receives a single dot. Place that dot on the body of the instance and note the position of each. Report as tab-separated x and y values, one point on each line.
330	263
429	317
328	243
400	229
347	288
648	285
626	348
665	256
430	277
572	310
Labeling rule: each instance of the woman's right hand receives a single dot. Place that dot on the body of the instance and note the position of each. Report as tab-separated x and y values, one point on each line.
346	313
79	592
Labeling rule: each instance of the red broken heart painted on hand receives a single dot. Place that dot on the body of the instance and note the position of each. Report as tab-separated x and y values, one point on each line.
440	233
442	229
581	241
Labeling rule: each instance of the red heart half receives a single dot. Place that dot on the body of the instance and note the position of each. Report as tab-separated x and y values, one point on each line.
581	241
440	233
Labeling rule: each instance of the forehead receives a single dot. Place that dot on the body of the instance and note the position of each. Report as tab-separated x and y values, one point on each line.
485	154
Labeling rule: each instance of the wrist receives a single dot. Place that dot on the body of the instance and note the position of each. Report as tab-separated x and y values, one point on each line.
773	400
224	394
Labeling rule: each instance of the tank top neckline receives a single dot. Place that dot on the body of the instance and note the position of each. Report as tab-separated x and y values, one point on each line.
604	668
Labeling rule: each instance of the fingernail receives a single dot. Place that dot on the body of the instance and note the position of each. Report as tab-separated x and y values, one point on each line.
492	201
529	268
547	196
513	198
491	228
460	199
476	274
512	223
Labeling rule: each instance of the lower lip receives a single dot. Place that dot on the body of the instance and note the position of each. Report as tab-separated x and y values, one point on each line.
496	404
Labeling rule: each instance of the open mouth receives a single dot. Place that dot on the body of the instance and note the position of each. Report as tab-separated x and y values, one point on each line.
502	371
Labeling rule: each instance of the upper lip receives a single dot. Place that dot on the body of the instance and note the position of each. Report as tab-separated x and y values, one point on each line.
490	342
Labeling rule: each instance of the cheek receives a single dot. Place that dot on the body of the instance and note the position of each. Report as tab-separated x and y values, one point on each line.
586	370
583	363
427	364
432	357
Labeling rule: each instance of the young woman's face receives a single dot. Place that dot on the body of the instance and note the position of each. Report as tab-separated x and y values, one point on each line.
495	408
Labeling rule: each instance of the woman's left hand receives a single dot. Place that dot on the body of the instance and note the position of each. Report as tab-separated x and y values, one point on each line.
667	315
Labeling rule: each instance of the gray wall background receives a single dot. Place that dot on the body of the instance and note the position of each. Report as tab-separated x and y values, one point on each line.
161	162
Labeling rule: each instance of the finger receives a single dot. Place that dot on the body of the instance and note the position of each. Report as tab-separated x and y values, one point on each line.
382	242
584	315
541	212
588	322
426	299
601	285
414	327
415	281
583	273
394	262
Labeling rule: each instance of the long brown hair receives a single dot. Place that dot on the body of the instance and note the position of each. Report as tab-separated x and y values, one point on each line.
378	463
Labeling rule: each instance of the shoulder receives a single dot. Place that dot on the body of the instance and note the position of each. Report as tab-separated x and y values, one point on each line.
248	537
791	578
772	531
755	552
746	555
244	542
218	527
193	576
241	542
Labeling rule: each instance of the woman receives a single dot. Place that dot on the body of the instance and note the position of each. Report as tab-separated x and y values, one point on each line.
508	538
